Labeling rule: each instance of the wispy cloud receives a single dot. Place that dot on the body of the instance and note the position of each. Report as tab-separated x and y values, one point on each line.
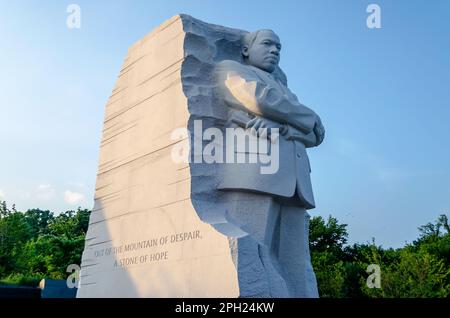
24	195
79	185
73	197
396	174
346	148
2	194
380	167
45	192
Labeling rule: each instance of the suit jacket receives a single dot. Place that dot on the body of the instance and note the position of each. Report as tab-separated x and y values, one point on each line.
249	91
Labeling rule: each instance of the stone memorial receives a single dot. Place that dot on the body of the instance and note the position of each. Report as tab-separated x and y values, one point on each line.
203	180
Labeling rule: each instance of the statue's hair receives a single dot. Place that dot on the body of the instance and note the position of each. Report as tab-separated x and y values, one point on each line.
249	38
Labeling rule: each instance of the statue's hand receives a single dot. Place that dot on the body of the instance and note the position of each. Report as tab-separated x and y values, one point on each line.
319	131
262	127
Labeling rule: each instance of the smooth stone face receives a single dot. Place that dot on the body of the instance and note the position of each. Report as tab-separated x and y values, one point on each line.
145	239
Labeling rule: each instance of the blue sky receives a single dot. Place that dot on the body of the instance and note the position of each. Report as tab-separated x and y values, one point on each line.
383	95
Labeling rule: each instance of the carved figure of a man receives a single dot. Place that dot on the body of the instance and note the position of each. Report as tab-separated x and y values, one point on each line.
269	209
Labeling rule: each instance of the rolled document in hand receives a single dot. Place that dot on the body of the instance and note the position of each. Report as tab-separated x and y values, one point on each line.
241	118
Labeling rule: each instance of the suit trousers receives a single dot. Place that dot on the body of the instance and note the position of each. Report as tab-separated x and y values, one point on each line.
273	257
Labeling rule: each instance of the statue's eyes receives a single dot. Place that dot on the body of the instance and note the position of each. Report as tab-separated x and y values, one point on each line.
270	43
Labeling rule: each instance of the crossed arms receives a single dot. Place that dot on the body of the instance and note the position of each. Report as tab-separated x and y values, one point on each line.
243	89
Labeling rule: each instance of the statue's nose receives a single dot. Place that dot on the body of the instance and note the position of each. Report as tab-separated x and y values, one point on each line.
274	50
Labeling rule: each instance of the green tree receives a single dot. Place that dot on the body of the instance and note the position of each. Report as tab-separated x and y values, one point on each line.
415	275
36	244
435	239
327	239
326	236
38	221
14	233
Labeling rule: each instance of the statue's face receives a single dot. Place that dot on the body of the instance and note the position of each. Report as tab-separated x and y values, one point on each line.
264	53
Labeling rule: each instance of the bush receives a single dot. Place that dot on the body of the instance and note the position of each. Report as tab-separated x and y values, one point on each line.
22	279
